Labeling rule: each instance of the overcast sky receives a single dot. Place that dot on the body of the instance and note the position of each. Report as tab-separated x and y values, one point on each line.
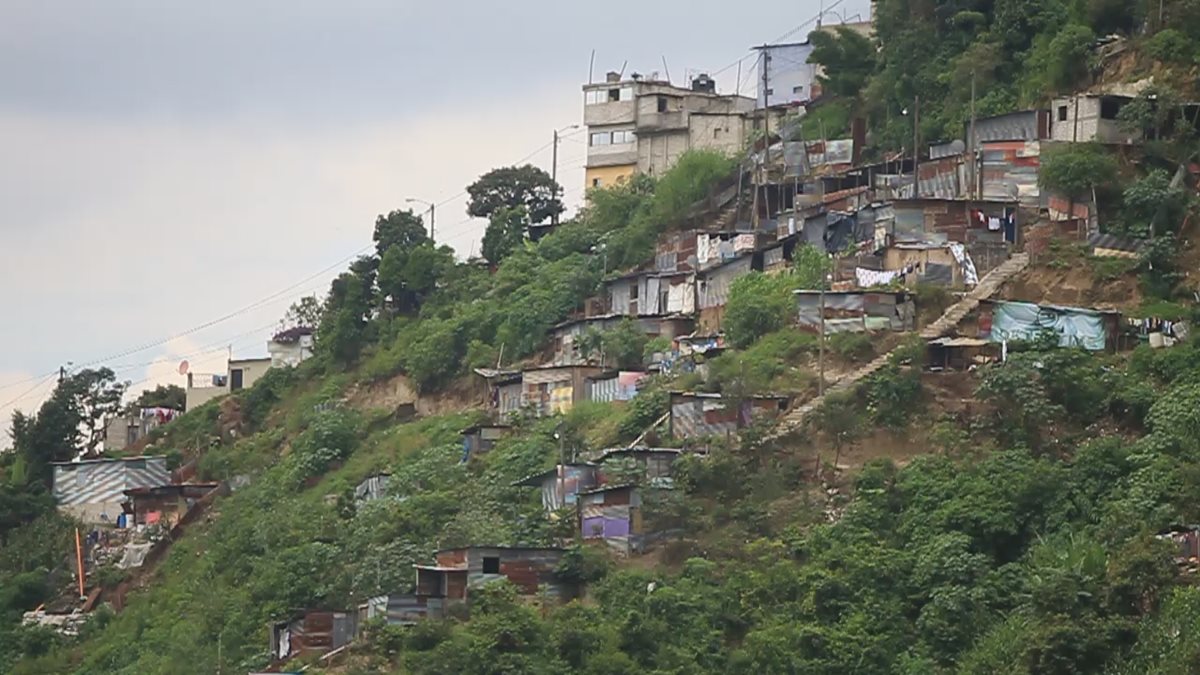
165	164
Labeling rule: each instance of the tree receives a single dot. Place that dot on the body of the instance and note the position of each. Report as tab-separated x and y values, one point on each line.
848	59
408	274
505	233
811	266
163	396
347	309
1076	168
623	346
399	228
70	422
304	312
512	187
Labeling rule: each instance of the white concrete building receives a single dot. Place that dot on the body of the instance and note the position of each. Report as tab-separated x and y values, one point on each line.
643	125
790	79
291	347
1084	118
240	374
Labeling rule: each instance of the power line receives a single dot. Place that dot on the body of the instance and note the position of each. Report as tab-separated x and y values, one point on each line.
32	389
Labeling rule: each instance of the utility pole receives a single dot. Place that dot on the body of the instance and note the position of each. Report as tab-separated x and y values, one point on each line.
762	175
916	147
554	173
554	166
432	212
821	345
971	156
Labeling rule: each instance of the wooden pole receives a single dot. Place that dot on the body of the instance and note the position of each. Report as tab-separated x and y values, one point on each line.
79	563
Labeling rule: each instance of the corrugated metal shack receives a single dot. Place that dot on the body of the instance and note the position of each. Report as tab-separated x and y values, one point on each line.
613	515
312	632
458	570
700	415
1010	172
164	504
564	336
712	289
400	609
502	391
93	490
547	390
651	294
479	439
373	487
646	466
562	484
1023	125
931	263
614	385
856	311
947	220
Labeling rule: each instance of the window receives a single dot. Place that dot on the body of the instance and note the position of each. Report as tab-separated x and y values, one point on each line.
622	137
1062	113
662	104
601	138
235	379
716	133
633	291
770	92
798	89
595	96
1110	107
595	182
626	94
491	565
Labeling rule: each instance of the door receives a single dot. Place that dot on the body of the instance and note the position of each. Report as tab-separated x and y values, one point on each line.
235	379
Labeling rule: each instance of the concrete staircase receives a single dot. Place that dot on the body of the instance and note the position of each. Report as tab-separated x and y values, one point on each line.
987	287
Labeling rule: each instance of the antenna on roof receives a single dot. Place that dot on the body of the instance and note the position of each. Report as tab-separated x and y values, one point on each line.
666	69
621	75
591	66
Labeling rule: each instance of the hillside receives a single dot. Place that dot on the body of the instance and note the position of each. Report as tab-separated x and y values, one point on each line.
913	490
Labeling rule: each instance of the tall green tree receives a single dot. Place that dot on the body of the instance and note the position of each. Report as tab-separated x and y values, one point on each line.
408	275
70	422
848	59
348	307
304	312
505	233
399	228
513	187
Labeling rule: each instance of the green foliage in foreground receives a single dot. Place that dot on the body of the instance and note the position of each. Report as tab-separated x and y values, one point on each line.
1036	558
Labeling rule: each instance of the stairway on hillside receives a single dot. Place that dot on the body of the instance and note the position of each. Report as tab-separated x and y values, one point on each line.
987	287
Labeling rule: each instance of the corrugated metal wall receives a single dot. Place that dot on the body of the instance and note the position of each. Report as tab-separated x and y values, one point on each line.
1010	172
89	489
1014	126
714	286
701	416
400	610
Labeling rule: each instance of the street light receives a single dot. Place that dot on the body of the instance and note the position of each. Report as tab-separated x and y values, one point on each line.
432	211
554	162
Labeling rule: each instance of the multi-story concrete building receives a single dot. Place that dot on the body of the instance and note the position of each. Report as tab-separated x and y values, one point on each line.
640	125
240	374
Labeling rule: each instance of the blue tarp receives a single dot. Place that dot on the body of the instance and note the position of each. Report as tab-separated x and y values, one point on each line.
1023	321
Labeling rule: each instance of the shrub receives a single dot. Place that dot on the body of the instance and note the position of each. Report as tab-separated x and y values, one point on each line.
758	304
852	347
765	366
1075	168
1170	46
